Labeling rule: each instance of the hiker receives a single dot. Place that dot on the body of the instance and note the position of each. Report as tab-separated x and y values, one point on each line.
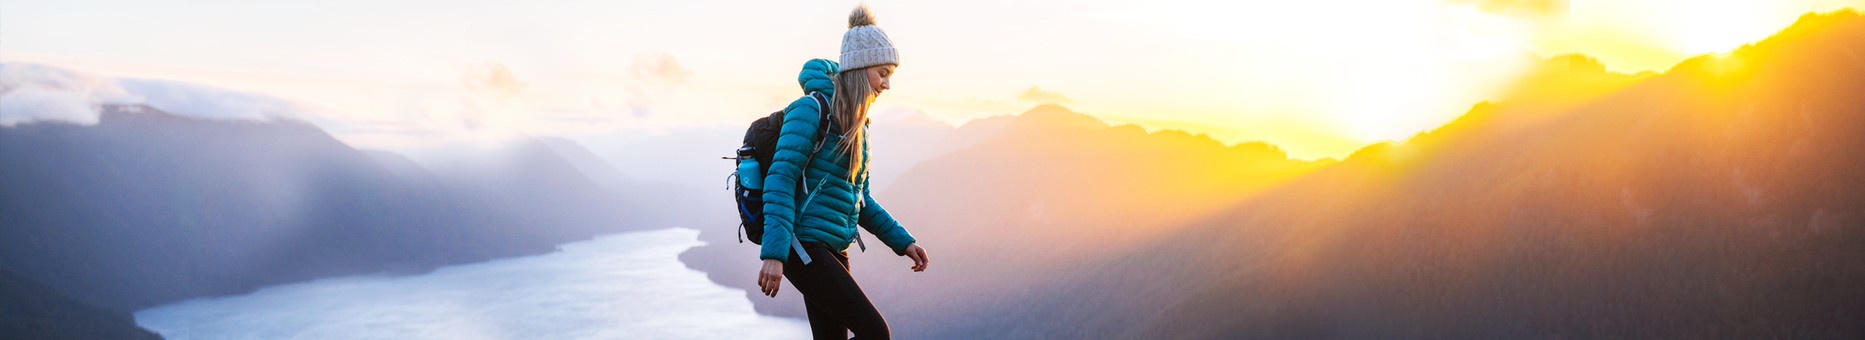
835	184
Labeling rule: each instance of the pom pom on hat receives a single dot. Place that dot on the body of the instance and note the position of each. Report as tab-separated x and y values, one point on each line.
860	17
864	44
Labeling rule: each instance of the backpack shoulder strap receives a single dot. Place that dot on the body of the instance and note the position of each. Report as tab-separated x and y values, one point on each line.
822	137
822	102
822	131
822	123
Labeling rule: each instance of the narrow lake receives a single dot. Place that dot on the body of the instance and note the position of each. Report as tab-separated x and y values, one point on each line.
621	286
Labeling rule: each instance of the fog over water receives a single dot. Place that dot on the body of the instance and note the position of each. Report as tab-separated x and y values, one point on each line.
621	286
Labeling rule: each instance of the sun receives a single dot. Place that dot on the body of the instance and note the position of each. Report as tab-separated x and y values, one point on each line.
1717	26
1633	36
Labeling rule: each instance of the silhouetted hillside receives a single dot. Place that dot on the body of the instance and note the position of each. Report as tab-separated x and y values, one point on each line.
146	208
29	310
1721	199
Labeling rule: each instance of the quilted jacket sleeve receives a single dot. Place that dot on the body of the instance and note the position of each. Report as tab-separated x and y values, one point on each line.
876	219
883	226
780	197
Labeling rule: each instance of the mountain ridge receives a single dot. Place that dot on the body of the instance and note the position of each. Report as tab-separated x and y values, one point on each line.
1718	199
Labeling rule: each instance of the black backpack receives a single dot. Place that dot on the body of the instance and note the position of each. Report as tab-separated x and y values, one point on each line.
761	146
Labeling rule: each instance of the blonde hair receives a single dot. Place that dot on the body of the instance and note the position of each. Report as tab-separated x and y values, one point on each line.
850	114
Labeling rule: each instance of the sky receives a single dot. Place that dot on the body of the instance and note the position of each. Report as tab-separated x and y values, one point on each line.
1318	78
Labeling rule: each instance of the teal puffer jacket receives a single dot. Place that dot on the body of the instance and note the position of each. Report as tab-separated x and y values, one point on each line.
832	215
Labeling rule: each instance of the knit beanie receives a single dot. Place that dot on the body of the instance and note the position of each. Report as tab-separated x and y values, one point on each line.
865	45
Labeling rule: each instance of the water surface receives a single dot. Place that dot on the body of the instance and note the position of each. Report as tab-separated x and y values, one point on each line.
621	286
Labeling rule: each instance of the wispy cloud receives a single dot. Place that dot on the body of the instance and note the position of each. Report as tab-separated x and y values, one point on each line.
660	69
654	74
1039	95
488	82
1530	9
32	92
493	80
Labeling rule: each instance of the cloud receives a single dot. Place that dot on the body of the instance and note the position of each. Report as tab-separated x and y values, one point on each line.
660	69
489	85
33	92
654	73
33	104
206	102
1038	95
1530	9
494	80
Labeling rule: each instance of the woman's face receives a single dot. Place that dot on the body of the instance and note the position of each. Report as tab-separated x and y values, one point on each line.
877	77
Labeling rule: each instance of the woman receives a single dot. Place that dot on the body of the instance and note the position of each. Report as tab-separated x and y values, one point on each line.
834	197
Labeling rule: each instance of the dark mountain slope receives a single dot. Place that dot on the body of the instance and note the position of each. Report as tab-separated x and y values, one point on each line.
29	310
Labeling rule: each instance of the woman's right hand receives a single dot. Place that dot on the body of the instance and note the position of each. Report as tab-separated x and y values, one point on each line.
771	277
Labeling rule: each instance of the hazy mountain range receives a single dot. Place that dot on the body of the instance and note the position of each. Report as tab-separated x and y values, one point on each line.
146	208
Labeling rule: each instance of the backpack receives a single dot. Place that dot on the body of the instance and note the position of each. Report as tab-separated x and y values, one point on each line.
754	161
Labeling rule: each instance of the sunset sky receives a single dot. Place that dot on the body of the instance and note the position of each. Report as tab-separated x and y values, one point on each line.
1320	78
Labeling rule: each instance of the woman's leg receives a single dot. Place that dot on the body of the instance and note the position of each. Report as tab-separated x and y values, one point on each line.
822	326
829	291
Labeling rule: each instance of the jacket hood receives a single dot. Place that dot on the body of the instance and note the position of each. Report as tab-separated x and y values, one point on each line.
818	75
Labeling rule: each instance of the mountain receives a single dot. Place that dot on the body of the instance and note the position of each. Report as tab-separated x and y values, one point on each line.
913	137
587	163
550	196
1035	192
1720	199
641	203
146	208
1055	189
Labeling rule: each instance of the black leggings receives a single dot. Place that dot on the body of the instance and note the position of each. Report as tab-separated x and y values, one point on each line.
835	303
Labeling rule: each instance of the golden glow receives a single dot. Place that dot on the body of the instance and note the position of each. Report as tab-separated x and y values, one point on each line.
1320	78
1323	78
1716	26
1653	35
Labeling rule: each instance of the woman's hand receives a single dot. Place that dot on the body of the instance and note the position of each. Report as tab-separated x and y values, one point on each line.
918	255
771	277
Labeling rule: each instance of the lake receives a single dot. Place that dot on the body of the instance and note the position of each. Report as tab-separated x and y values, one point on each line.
621	286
